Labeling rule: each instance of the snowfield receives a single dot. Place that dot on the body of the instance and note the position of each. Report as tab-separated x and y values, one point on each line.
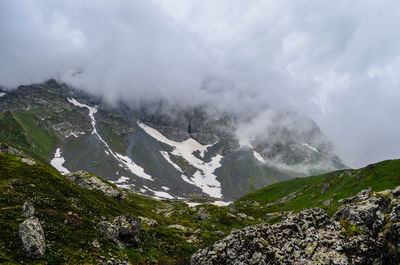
204	177
58	162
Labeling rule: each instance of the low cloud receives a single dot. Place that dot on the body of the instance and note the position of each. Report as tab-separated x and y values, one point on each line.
336	62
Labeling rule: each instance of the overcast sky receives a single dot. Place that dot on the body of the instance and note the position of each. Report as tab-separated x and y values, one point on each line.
337	62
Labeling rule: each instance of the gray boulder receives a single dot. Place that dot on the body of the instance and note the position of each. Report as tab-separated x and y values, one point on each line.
28	210
88	181
32	237
124	231
365	230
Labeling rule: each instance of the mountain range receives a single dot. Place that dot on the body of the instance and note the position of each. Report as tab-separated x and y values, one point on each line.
159	150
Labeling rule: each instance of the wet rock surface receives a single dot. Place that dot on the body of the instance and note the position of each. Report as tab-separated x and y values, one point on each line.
365	230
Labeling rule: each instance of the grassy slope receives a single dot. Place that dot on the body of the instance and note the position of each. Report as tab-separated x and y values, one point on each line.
24	131
342	184
56	200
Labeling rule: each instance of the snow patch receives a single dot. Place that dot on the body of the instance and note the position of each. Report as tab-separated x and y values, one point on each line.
58	162
258	156
310	147
165	188
2	94
122	179
125	161
204	177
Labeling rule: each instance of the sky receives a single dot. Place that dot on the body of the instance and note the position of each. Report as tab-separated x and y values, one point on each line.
337	62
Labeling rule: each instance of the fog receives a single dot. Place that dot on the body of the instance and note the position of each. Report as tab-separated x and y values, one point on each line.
335	62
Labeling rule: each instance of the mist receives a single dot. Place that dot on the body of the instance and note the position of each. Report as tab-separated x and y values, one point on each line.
335	62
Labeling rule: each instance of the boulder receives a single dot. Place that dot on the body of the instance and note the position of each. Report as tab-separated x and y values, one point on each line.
124	231
32	237
365	230
28	210
88	181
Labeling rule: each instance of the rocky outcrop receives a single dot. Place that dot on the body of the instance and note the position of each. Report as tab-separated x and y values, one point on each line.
365	230
124	231
31	233
28	210
88	181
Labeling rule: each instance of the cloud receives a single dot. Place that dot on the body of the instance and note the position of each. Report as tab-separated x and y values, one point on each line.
337	62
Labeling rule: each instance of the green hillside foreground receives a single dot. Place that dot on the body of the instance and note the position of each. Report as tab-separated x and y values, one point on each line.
69	214
314	191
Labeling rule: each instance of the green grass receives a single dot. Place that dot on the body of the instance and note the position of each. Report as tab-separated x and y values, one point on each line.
69	214
342	184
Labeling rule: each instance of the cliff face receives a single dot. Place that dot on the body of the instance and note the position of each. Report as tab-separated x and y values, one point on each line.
365	230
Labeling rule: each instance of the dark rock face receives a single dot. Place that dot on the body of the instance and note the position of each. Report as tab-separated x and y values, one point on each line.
32	237
124	231
364	231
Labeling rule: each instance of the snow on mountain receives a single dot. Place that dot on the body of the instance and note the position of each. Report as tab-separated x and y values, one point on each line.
58	162
204	177
124	160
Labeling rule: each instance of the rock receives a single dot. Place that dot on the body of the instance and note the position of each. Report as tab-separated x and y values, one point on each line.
32	237
396	191
286	198
150	222
367	214
232	216
242	215
269	216
27	209
180	227
220	233
327	202
28	161
325	187
96	244
88	181
202	215
124	231
365	230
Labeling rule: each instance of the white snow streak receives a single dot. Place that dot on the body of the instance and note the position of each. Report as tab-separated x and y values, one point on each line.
310	147
126	161
58	162
2	94
166	156
204	178
258	156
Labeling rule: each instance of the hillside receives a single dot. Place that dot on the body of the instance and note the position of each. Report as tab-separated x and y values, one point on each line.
325	191
69	214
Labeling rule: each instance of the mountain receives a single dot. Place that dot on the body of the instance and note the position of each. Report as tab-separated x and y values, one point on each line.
160	150
80	218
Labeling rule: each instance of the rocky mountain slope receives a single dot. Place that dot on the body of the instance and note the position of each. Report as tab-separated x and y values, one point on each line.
80	218
365	230
164	152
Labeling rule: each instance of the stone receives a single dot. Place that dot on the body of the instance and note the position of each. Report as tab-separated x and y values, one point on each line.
324	188
364	230
327	202
28	161
150	222
96	244
88	181
27	209
202	215
32	237
124	231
